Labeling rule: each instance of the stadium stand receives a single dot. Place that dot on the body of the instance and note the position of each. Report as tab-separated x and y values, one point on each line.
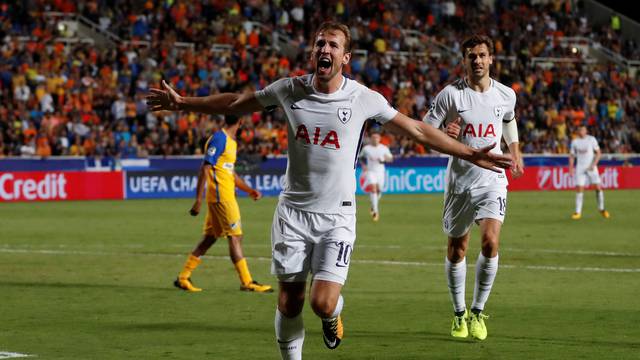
73	75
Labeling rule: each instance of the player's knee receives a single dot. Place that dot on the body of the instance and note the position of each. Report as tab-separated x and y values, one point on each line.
290	303
457	248
456	254
323	306
290	308
489	241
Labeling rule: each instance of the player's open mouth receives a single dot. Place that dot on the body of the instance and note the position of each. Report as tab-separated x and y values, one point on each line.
324	64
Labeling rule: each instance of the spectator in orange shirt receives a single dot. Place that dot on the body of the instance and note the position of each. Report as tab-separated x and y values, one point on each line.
89	144
254	38
42	145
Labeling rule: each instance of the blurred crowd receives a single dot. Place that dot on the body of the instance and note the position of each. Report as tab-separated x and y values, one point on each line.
66	98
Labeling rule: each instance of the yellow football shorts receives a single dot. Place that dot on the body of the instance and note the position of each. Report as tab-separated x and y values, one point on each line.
223	219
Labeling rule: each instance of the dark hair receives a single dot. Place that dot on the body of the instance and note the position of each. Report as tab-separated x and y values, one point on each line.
336	26
475	40
231	120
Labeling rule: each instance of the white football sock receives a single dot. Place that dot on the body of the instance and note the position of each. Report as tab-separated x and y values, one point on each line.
579	197
290	336
374	202
600	196
456	277
338	308
486	270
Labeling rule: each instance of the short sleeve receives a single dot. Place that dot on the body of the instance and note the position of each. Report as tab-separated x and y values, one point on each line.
215	147
595	145
387	151
510	114
378	107
572	149
273	94
439	108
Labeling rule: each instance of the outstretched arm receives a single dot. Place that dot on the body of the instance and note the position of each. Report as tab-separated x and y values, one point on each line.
437	140
227	103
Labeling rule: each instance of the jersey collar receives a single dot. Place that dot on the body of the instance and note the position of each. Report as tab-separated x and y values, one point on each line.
341	87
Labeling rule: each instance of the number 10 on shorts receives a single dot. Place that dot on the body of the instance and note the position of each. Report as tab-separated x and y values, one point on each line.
344	254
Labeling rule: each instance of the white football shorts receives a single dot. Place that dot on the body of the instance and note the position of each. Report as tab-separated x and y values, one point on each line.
584	175
462	210
303	242
375	177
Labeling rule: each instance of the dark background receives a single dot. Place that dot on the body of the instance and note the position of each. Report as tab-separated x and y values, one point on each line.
629	8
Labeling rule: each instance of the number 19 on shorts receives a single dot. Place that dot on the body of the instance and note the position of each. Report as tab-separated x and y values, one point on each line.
502	203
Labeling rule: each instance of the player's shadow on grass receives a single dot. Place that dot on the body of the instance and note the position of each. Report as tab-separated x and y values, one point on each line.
422	336
571	342
418	335
59	285
196	326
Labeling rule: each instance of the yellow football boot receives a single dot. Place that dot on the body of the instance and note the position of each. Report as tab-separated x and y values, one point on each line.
459	327
477	328
186	285
256	287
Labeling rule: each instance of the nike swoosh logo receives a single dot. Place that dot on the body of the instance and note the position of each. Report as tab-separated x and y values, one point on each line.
461	111
295	107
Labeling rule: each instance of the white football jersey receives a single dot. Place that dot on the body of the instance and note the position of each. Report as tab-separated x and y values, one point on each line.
324	135
482	115
584	150
374	156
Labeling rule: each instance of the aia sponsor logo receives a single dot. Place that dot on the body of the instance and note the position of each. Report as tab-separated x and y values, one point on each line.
478	130
327	140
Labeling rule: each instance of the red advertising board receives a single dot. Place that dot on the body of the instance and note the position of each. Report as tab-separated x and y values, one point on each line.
60	185
558	178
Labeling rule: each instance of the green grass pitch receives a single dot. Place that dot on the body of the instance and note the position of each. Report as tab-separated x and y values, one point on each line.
93	280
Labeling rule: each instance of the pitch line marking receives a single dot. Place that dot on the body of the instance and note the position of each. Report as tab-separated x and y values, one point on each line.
360	246
375	262
12	355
